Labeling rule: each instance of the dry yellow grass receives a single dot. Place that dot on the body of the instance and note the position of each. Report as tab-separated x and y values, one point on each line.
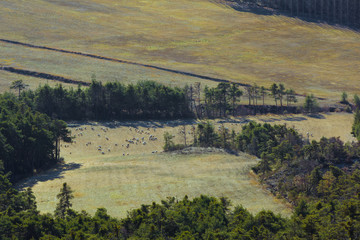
121	183
200	36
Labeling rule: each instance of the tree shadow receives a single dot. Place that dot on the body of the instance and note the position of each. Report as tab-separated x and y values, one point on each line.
54	173
317	116
267	120
295	119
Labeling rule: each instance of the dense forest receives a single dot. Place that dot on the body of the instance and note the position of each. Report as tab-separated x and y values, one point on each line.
321	179
345	12
151	100
335	216
29	140
30	130
144	100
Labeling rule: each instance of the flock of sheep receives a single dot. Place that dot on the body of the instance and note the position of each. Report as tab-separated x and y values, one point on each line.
140	138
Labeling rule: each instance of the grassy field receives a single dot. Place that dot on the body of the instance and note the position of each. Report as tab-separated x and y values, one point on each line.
203	37
125	178
81	68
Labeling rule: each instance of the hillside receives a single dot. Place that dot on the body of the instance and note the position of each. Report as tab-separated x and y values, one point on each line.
121	183
202	37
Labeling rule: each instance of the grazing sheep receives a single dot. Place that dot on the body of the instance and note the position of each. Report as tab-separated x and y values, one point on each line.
123	154
102	153
108	149
92	128
144	143
98	135
107	138
116	144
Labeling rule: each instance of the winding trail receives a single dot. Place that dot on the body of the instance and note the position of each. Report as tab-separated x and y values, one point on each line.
122	61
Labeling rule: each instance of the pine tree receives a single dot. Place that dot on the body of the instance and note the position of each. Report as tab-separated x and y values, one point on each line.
64	204
274	92
19	85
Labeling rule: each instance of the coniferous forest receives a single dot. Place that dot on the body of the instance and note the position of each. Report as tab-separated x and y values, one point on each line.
320	179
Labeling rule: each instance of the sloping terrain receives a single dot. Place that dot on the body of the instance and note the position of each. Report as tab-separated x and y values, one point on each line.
200	37
126	177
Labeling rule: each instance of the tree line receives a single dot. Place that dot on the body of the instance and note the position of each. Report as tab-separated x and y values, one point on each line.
29	140
319	178
151	100
224	99
334	216
346	12
111	101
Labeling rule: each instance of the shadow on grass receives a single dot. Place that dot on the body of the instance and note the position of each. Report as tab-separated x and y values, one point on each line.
316	115
267	120
295	119
153	124
266	11
55	173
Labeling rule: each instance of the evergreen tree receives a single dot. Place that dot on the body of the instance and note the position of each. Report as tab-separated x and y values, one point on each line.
357	101
64	204
19	85
281	92
169	143
263	93
275	92
235	94
344	97
310	104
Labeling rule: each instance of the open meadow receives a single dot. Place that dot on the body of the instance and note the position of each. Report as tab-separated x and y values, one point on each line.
203	37
123	178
